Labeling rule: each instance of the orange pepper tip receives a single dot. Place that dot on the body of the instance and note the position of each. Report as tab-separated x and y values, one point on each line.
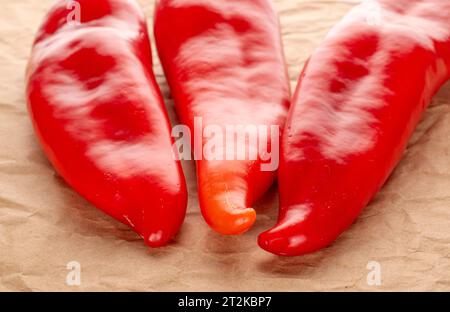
236	222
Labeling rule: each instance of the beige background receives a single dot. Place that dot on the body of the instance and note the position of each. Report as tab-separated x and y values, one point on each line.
44	224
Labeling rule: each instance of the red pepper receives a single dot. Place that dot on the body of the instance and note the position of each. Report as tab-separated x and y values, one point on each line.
224	63
100	117
359	99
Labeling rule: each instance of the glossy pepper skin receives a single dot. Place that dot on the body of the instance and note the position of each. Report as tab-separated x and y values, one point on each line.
358	101
100	117
224	63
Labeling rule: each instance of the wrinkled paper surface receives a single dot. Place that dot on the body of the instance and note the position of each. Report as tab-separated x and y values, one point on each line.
44	225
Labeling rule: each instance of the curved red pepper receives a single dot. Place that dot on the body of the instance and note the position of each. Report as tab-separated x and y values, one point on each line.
100	117
358	101
224	63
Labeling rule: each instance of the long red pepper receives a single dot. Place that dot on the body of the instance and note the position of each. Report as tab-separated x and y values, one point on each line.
359	99
100	117
224	63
